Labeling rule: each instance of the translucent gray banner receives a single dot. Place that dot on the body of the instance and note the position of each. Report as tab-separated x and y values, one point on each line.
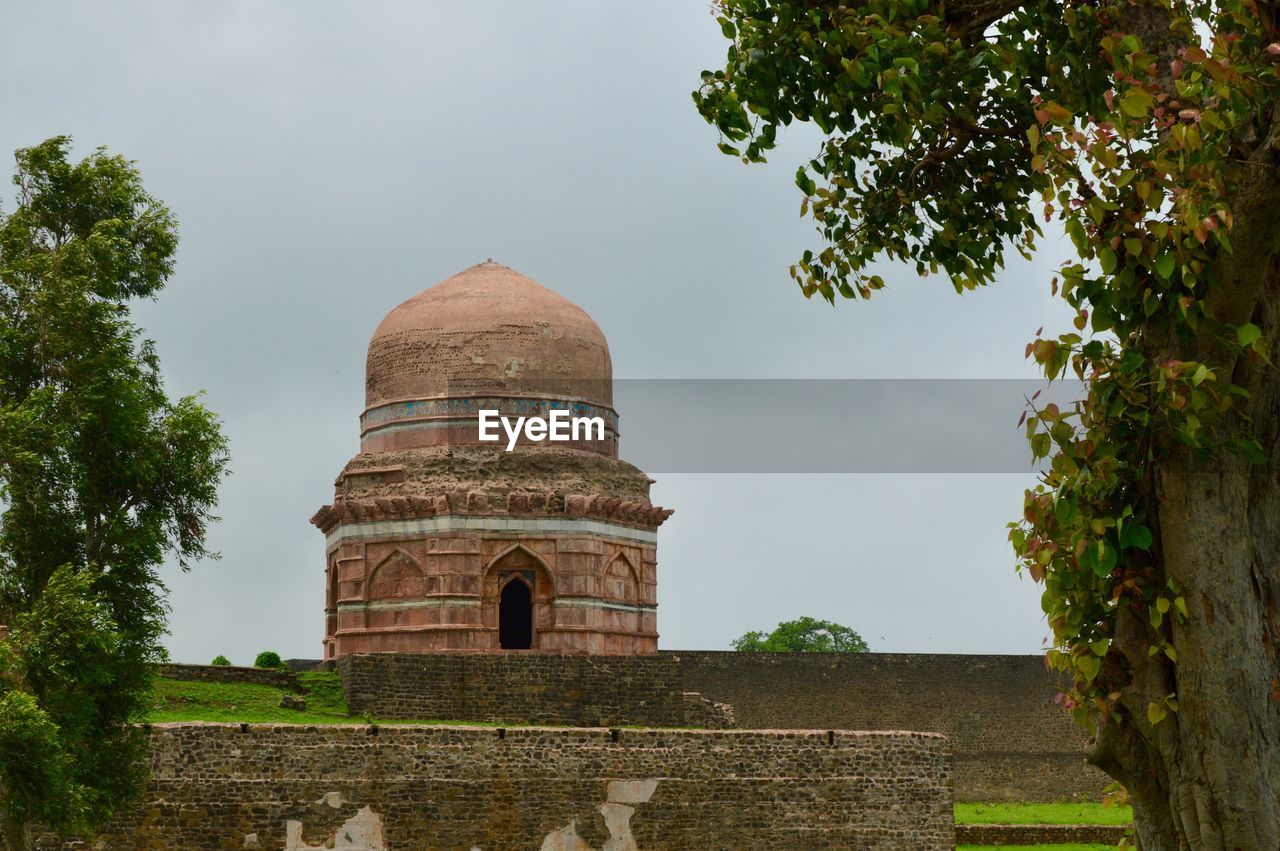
829	426
746	425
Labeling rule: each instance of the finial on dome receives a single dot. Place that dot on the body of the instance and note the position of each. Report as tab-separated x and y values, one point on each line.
490	329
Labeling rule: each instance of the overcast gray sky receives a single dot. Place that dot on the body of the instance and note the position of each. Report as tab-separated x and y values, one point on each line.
328	160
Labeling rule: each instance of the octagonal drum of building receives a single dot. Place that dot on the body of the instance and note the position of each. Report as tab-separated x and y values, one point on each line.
440	541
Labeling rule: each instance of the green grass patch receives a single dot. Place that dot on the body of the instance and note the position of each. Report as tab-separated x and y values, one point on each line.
1081	813
1067	847
324	692
181	700
249	703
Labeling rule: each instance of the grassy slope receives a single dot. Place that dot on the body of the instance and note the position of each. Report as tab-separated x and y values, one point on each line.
1035	848
179	700
1042	814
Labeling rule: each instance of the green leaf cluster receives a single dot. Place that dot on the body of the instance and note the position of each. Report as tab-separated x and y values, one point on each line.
951	131
923	119
268	659
803	635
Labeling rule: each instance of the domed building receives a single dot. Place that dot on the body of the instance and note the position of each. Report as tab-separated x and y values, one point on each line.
455	530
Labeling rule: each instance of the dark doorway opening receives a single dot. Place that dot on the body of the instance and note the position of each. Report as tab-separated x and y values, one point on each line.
515	616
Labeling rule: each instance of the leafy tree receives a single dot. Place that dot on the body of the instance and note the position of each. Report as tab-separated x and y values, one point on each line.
1148	131
221	661
803	635
268	659
101	477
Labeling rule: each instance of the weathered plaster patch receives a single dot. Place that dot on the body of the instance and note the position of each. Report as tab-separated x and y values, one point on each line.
631	791
332	799
565	839
361	832
617	818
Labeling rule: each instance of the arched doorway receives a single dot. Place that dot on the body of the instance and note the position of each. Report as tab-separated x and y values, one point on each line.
515	615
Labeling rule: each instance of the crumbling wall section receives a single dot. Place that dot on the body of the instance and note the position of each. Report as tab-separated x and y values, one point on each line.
225	786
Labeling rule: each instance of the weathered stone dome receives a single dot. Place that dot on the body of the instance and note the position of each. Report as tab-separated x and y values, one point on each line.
488	330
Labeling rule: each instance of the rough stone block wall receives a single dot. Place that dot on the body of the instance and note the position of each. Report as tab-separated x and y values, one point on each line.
1011	741
516	688
303	665
231	674
225	786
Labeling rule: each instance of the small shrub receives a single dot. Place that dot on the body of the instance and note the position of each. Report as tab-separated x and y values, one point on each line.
221	661
268	659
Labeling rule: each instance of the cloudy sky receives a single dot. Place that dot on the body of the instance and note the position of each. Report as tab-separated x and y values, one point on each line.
328	160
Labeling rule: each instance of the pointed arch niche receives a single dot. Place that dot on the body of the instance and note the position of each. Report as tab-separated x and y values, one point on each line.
622	588
622	580
517	599
397	577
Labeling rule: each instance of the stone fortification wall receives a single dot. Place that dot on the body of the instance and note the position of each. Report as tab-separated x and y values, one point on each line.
1058	835
516	688
297	788
1011	741
303	665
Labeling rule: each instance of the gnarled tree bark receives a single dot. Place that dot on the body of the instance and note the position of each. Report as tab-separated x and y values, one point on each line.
1208	776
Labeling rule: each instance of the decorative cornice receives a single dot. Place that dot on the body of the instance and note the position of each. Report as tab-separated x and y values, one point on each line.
478	504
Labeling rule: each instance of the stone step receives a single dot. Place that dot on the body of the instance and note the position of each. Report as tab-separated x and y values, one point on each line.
1038	834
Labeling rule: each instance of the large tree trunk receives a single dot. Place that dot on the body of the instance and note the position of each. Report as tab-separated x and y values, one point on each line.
17	837
1208	776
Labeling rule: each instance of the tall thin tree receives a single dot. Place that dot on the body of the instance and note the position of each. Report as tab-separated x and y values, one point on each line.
102	476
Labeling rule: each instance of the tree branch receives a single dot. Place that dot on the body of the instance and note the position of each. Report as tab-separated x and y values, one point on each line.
970	18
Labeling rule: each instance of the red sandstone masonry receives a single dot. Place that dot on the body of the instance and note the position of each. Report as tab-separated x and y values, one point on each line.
214	785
